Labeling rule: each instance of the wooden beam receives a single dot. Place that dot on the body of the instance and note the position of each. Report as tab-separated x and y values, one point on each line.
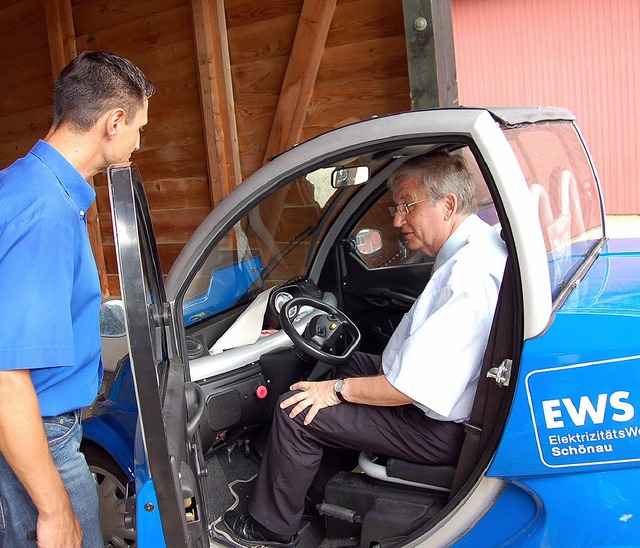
62	50
216	92
295	96
300	77
62	38
430	53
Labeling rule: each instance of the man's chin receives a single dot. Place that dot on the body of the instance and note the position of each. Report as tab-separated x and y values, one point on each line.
410	244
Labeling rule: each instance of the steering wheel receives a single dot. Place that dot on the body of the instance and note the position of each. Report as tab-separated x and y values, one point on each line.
322	332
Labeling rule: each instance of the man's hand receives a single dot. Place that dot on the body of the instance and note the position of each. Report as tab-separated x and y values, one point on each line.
359	390
316	395
23	443
61	530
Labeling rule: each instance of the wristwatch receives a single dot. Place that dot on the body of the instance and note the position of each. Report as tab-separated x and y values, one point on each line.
339	387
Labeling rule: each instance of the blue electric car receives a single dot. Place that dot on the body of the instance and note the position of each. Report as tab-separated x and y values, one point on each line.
552	449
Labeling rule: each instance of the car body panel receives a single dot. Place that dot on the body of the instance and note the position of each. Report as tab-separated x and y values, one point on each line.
574	427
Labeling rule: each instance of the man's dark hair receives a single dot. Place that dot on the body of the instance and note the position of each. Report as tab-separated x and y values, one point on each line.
95	82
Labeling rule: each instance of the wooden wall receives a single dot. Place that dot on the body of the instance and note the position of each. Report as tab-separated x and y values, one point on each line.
238	81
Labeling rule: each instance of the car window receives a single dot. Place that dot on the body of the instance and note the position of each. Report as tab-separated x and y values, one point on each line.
379	244
563	192
275	242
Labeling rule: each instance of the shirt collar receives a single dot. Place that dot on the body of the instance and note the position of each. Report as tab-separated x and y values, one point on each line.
76	187
459	237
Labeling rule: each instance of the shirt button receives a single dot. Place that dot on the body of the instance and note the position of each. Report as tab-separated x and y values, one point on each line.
81	213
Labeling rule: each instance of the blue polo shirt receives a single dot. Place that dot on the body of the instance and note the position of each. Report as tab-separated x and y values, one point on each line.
49	286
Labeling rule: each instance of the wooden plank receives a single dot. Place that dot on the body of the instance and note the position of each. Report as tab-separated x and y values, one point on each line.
364	20
171	226
25	95
218	112
24	67
297	88
21	39
149	36
259	78
367	62
247	12
20	16
62	47
378	98
29	124
172	162
180	193
263	38
92	15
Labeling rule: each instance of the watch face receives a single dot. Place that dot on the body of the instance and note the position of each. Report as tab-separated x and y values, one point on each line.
339	385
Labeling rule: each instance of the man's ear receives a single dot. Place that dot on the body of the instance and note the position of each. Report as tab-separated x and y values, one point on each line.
115	118
450	206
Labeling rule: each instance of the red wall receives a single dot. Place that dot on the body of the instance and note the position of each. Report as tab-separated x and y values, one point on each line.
578	54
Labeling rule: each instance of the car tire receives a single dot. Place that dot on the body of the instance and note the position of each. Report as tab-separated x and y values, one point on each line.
111	484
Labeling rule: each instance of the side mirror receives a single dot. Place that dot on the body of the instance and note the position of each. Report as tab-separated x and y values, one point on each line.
368	240
112	323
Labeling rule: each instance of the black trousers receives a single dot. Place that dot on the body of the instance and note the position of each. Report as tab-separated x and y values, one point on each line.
294	451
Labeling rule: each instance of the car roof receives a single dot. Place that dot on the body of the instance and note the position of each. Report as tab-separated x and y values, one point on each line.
514	116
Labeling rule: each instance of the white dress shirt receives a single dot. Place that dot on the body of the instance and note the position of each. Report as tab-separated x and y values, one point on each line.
435	355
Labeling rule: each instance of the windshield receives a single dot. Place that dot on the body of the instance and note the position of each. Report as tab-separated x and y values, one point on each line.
275	242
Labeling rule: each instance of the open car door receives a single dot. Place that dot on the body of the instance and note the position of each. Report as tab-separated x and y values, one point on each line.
169	506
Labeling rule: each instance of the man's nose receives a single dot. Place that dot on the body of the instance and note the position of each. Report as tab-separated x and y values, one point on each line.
398	220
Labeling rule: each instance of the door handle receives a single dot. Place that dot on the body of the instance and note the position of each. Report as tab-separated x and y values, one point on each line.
382	297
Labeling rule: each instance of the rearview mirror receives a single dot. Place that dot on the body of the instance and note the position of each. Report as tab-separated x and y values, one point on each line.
349	176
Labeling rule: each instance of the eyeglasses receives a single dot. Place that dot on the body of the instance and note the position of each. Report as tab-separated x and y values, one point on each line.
403	209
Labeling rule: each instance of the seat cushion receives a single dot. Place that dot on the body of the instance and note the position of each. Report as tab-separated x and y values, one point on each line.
430	474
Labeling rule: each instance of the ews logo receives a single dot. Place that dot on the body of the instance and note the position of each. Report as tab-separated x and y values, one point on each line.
613	406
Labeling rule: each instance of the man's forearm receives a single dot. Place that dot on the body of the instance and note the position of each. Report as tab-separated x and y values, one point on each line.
23	443
373	391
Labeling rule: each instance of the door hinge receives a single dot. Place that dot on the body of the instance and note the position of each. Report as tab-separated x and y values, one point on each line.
502	373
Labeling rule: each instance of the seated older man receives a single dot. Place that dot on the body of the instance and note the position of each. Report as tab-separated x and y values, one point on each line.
410	402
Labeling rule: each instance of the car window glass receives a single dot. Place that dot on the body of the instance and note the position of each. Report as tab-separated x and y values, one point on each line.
563	191
273	243
391	250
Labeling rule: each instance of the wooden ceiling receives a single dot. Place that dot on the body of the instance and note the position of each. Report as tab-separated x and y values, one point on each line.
238	82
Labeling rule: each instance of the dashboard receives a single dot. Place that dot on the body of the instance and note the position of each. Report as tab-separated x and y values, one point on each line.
281	295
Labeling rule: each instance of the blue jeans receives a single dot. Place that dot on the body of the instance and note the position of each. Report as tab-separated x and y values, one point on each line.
18	514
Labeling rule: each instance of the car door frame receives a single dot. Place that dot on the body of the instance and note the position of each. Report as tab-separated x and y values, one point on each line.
164	451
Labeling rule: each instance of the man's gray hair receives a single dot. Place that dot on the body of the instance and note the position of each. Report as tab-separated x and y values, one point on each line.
440	174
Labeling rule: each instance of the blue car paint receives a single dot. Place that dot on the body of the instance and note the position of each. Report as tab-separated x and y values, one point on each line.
521	517
226	286
113	419
148	523
572	438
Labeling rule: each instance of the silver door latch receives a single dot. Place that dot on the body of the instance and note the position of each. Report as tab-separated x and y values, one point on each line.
502	373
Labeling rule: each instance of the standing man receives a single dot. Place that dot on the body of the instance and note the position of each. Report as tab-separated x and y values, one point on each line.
50	299
410	402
